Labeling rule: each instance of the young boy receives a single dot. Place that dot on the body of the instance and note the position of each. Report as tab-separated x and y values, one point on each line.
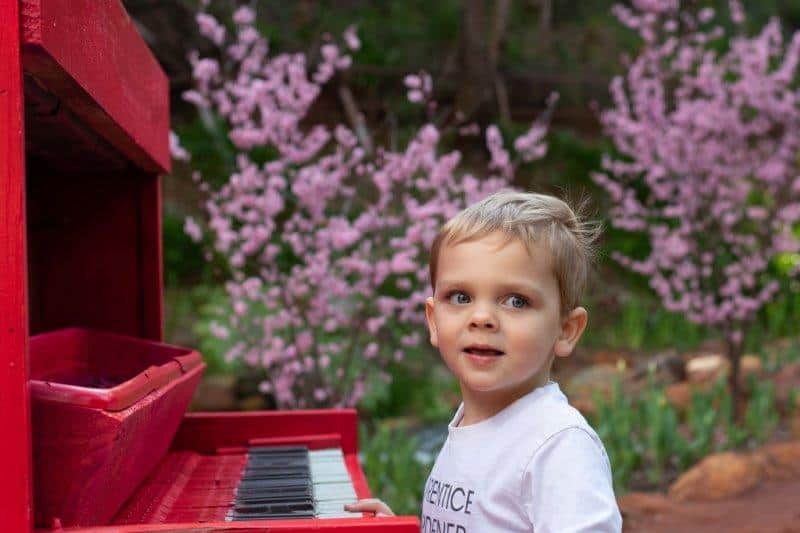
507	275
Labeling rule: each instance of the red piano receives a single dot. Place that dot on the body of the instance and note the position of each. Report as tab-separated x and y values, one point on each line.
96	434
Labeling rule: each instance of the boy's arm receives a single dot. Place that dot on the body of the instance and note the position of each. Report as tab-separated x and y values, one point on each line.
567	486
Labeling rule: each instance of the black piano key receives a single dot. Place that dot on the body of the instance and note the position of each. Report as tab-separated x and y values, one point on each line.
275	507
277	450
277	496
275	471
274	484
265	516
283	494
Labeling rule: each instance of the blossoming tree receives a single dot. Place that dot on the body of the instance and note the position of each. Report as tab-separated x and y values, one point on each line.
327	238
707	129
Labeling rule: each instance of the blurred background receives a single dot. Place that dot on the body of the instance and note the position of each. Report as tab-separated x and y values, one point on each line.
651	382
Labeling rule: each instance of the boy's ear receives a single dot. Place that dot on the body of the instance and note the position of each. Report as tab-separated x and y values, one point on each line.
431	322
572	327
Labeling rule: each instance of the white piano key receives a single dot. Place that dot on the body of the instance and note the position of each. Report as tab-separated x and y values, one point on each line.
334	491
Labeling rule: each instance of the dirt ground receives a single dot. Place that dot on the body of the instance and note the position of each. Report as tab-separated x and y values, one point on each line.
771	507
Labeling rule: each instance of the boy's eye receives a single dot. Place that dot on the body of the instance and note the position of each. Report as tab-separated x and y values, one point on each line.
516	301
458	297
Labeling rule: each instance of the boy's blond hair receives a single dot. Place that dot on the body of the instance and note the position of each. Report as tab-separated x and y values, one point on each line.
532	219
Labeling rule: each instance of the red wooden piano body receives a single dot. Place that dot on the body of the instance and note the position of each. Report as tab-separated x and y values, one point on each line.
84	124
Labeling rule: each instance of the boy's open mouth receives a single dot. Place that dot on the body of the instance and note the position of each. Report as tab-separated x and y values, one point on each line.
482	350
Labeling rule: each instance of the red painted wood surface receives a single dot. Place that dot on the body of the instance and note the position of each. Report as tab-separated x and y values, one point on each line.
15	449
192	488
104	411
388	524
211	431
72	367
152	253
90	54
95	251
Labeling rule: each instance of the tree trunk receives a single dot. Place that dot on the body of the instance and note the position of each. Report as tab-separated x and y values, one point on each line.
502	11
546	15
476	73
735	348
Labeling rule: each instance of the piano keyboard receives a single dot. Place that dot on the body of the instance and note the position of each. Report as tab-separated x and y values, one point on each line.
255	483
292	482
225	468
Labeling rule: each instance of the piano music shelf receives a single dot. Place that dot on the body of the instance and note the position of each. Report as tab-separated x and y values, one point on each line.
104	410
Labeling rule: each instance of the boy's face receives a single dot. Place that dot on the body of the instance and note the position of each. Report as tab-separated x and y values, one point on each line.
496	317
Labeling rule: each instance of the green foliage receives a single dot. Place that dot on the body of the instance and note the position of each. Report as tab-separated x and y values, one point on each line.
420	387
206	139
792	402
703	418
761	417
189	315
647	434
615	422
183	259
640	323
777	319
393	467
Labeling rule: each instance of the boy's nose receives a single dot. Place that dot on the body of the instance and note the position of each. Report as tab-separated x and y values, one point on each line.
482	319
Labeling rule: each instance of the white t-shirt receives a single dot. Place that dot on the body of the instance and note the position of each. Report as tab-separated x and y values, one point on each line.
536	465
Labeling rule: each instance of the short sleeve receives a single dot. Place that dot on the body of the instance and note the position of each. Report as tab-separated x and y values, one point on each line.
567	486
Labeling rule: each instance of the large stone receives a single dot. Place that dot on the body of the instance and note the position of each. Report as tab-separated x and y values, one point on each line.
679	395
588	382
781	460
610	357
707	368
749	365
665	367
718	477
635	504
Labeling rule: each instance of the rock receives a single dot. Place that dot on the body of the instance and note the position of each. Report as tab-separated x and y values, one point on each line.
781	460
585	405
718	477
645	502
679	395
707	368
610	357
215	393
596	379
749	366
667	367
635	504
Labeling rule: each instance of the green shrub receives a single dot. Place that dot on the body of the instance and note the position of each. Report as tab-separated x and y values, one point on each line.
646	434
393	467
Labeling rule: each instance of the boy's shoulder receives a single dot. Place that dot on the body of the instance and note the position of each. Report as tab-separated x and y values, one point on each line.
551	414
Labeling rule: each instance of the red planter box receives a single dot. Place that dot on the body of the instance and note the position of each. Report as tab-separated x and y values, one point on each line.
104	409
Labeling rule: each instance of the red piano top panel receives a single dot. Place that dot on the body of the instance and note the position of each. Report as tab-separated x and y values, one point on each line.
90	54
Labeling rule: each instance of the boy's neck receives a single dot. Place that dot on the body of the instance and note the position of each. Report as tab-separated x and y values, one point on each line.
481	405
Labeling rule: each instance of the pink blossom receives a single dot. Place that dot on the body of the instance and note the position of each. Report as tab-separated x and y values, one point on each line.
326	243
351	38
244	15
210	28
702	133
